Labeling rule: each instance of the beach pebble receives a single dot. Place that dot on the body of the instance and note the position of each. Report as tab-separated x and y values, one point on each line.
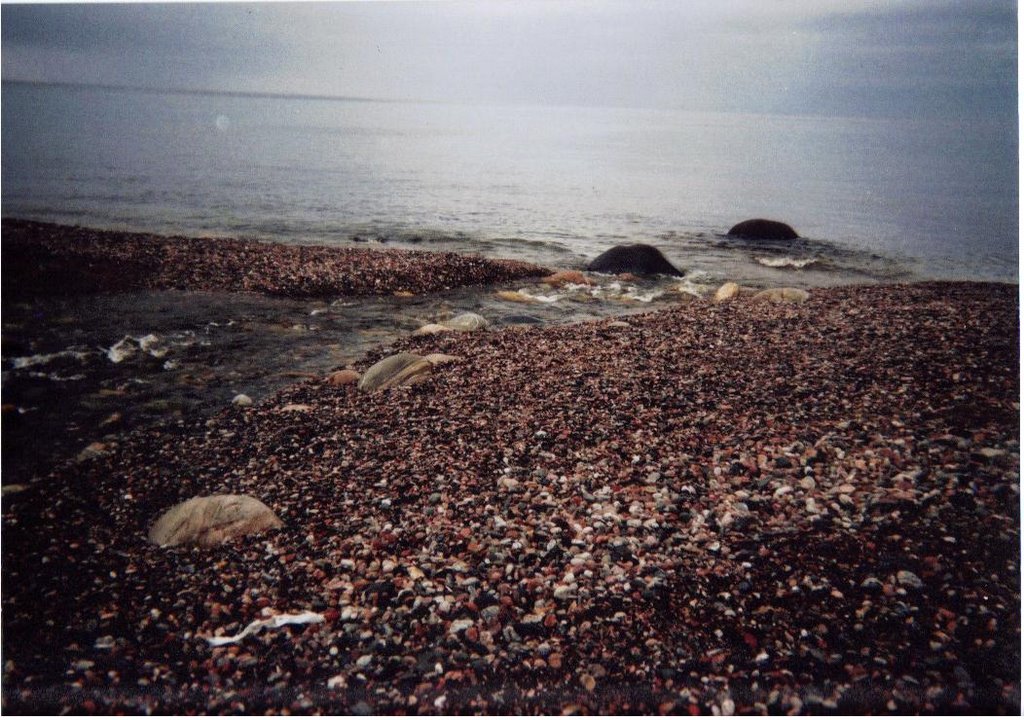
242	400
432	329
727	292
909	579
92	450
340	378
783	295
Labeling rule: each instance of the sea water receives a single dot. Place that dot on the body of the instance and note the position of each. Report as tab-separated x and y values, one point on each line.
874	200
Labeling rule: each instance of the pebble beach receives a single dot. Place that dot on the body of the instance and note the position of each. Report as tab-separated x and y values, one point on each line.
45	258
736	507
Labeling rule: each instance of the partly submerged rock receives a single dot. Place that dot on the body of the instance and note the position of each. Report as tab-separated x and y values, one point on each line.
522	320
210	520
431	329
727	292
638	259
515	296
761	229
787	295
466	322
566	277
339	378
400	369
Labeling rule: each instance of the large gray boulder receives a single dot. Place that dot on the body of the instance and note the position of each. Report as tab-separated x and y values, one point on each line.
638	259
400	369
208	521
761	229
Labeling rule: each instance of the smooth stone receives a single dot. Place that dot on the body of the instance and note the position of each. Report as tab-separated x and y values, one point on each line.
515	296
92	450
432	329
761	229
727	292
208	521
242	400
340	378
400	369
619	324
908	579
466	322
783	295
566	277
638	259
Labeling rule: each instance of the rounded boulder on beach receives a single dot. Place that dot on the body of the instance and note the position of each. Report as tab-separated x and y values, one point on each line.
400	369
211	520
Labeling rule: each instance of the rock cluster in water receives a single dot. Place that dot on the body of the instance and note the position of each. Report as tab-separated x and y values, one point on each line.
739	507
40	258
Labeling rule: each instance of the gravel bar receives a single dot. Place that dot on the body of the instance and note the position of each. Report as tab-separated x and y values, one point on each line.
43	258
745	507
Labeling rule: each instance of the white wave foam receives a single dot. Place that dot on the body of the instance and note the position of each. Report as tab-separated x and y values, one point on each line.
540	298
129	346
634	294
786	261
20	363
687	287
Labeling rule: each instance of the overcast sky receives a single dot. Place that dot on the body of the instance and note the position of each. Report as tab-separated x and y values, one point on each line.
832	57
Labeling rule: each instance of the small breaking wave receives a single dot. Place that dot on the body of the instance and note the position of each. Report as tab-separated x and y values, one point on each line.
788	262
129	346
20	363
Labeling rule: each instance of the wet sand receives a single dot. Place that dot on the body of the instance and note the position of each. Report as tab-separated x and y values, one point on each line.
743	507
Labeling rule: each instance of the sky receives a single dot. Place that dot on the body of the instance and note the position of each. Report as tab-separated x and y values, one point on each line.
895	58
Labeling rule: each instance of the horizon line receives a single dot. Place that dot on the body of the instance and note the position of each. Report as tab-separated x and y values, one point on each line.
209	92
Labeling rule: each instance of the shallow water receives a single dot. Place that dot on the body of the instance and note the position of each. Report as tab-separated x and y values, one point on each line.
87	369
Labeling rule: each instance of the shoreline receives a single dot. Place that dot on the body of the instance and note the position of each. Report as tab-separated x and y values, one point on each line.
46	258
710	508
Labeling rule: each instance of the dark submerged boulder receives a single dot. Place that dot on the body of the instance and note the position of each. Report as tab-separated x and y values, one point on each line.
637	259
760	229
